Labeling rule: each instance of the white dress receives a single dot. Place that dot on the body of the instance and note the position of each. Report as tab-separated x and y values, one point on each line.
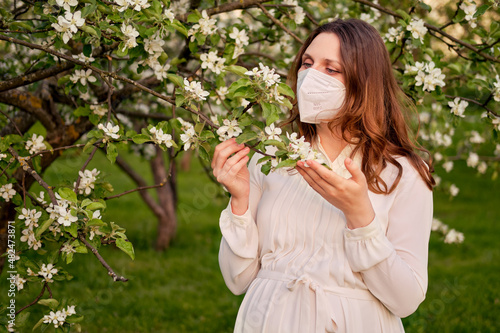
304	271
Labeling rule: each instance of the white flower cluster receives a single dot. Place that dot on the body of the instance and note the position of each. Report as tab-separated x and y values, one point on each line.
154	45
194	90
266	74
458	107
19	282
30	217
136	5
2	156
451	236
161	138
67	4
211	61
67	248
299	14
83	76
7	192
69	23
205	26
240	40
496	90
99	110
59	317
87	181
221	93
229	129
47	271
35	144
94	230
368	18
301	150
169	14
109	130
454	190
394	35
131	34
189	136
428	75
469	9
417	29
61	213
83	58
475	137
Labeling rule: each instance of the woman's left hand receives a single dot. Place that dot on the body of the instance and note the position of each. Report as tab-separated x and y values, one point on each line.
348	195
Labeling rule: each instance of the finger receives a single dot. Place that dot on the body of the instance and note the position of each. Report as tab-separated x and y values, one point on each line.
238	166
328	176
357	175
230	162
224	154
311	177
221	146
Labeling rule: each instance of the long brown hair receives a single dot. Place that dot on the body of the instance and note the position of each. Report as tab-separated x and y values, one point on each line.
374	108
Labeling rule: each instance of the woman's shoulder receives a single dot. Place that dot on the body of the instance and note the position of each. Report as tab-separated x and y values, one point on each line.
409	173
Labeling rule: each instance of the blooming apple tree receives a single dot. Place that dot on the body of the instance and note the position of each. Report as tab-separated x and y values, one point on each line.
164	77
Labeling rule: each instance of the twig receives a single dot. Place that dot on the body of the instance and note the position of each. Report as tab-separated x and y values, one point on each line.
34	174
103	262
455	15
35	300
12	121
483	105
278	23
135	190
227	7
433	28
77	184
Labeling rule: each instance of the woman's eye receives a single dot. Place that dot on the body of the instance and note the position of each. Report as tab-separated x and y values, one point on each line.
331	71
305	64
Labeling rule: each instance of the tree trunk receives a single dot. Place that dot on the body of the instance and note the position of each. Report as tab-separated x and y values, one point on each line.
167	220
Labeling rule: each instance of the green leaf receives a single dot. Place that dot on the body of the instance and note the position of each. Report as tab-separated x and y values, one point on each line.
96	205
126	246
44	226
248	136
21	318
270	112
111	152
264	159
266	168
481	10
91	30
180	27
68	194
86	202
69	257
81	111
50	302
38	324
176	79
88	10
194	17
404	15
238	70
287	164
95	222
74	319
72	229
424	6
141	138
276	143
284	89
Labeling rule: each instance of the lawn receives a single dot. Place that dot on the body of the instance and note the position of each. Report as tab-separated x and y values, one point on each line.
181	290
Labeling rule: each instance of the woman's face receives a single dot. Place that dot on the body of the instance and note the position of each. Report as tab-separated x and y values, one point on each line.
324	55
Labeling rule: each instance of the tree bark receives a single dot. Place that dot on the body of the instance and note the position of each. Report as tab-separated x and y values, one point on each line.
167	220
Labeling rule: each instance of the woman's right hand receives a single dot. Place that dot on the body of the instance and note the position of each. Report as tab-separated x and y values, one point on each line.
232	172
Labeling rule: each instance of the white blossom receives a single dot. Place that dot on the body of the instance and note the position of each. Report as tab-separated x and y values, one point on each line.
2	156
169	14
424	117
394	35
428	75
195	90
35	144
221	93
212	61
83	58
161	71
454	190
131	34
66	217
154	45
19	282
47	271
67	248
240	36
448	166
66	4
109	130
438	157
138	5
205	26
273	132
482	167
70	310
87	181
454	236
473	160
75	20
417	29
7	192
230	129
265	74
476	137
469	10
188	137
83	76
458	107
496	90
123	5
161	138
30	217
57	319
99	110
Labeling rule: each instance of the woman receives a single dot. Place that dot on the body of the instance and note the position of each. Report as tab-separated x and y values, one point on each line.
341	250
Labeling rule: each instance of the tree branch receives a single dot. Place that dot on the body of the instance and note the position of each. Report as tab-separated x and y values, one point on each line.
41	74
227	7
433	28
35	300
483	105
103	262
135	190
279	24
27	168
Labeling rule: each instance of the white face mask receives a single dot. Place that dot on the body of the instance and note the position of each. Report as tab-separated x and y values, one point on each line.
319	96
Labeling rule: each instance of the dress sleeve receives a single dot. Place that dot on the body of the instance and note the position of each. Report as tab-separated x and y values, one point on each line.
393	263
239	248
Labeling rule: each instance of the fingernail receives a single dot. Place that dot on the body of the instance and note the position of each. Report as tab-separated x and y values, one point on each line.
348	160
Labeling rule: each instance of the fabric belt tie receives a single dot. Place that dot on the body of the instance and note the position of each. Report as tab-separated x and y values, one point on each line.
324	312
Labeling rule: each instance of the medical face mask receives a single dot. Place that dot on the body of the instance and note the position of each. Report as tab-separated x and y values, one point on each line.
319	96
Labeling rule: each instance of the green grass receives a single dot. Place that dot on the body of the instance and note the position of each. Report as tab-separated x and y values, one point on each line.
182	290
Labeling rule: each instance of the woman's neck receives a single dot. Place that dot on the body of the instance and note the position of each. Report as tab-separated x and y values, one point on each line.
331	141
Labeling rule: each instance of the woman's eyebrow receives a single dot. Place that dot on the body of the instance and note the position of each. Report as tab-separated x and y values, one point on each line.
325	60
